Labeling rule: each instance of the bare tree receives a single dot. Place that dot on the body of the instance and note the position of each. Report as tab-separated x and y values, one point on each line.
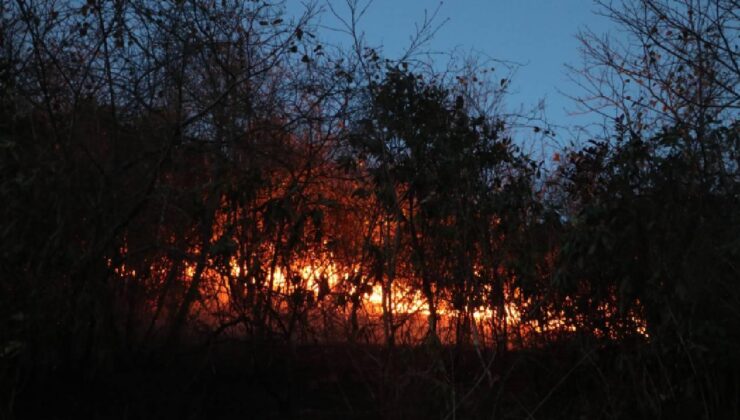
673	63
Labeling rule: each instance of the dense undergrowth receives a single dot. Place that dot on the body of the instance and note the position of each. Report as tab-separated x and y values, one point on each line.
208	212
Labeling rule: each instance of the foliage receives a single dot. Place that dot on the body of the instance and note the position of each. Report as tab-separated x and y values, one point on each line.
186	180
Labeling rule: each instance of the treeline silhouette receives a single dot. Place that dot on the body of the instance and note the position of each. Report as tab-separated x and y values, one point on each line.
209	212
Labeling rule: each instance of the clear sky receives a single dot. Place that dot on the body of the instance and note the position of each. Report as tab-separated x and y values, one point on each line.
537	33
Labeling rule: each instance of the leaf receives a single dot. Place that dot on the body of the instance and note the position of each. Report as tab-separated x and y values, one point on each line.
459	103
12	348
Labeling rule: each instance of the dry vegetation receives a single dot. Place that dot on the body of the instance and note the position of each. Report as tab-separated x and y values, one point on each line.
208	212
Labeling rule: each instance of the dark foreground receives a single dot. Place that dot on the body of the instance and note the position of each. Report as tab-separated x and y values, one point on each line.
244	380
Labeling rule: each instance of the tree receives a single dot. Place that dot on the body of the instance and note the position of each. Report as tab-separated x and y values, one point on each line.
126	125
652	230
451	181
675	64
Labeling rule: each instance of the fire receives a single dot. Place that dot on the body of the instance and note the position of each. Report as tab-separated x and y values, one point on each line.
318	288
406	301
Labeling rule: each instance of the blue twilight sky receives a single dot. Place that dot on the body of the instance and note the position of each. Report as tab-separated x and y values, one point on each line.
540	34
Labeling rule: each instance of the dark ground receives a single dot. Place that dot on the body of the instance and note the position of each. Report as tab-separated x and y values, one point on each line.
244	381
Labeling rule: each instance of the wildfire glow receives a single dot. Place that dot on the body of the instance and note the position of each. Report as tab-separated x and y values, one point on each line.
324	292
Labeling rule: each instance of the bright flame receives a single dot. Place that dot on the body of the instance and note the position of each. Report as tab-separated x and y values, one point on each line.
219	288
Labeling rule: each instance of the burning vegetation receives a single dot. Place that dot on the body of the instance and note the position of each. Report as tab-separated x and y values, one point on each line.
207	189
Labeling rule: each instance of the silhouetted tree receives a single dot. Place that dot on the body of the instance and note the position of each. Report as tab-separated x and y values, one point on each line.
653	224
